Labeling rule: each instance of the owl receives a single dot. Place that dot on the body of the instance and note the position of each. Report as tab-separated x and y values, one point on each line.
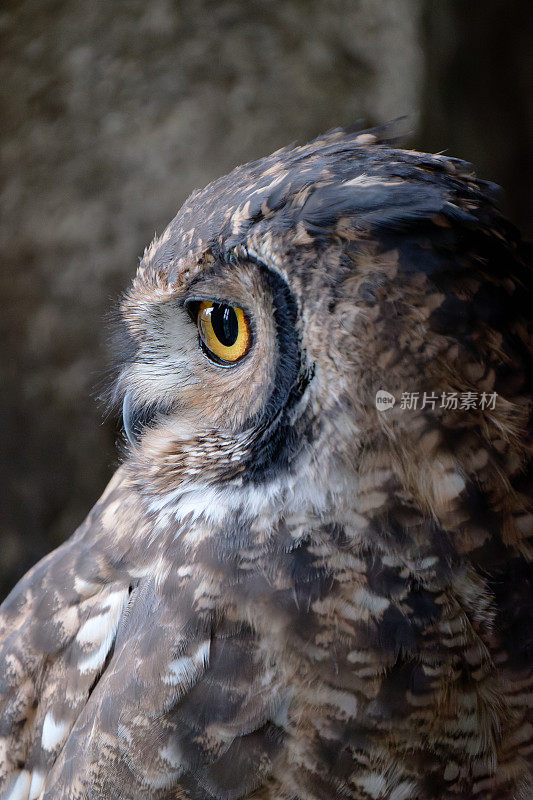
310	578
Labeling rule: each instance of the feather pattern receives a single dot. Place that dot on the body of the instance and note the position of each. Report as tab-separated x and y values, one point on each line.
285	591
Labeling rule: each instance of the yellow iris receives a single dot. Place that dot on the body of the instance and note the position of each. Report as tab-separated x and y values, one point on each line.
225	331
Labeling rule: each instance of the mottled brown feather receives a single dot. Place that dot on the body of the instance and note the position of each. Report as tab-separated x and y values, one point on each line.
285	592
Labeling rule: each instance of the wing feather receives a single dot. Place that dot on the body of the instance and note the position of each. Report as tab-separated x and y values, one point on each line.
115	685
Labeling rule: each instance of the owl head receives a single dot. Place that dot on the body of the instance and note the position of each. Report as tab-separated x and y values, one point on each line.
283	297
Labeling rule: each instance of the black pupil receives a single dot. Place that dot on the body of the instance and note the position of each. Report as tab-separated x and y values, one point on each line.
225	324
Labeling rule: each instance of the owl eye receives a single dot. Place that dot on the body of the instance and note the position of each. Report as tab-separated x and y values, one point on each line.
224	331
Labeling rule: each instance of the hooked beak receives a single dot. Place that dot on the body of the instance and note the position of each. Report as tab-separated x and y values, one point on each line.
135	419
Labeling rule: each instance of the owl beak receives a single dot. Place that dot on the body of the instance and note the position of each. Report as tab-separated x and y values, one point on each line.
129	420
136	418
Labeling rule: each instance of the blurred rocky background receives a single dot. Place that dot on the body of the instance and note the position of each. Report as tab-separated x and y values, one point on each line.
111	113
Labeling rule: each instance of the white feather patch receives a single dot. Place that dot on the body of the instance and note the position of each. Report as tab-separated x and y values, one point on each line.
373	784
37	784
21	787
173	756
85	588
54	732
93	631
375	604
184	671
213	504
101	630
404	791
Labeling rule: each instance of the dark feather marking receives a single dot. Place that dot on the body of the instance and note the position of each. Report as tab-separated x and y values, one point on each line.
278	435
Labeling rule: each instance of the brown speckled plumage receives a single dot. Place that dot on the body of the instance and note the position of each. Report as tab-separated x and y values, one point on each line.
283	591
